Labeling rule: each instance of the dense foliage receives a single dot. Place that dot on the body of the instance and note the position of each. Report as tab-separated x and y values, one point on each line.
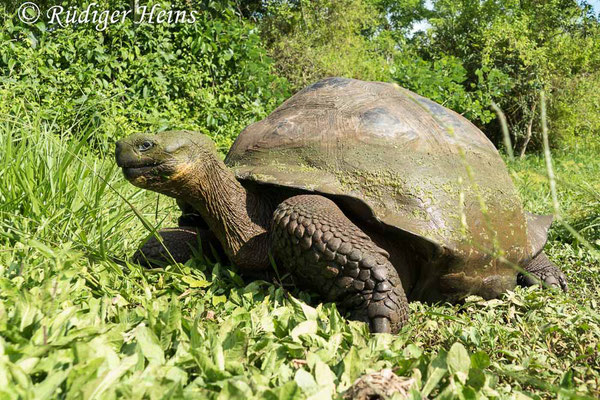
212	76
312	40
215	75
471	54
513	49
79	320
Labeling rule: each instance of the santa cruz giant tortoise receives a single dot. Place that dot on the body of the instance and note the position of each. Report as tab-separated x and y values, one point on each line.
366	192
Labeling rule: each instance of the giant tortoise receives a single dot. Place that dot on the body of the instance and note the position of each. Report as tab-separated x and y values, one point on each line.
365	192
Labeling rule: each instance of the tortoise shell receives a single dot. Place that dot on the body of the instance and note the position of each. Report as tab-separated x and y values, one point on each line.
399	160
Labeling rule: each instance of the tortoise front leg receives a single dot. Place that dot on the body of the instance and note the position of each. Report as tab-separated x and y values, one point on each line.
177	246
178	242
324	250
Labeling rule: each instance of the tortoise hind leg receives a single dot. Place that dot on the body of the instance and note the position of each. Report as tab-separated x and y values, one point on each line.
325	251
541	269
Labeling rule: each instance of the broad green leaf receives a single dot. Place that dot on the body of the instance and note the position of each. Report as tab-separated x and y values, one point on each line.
353	366
96	388
82	374
324	376
288	391
306	382
459	361
310	313
322	394
216	300
480	360
196	283
46	389
304	328
149	345
436	370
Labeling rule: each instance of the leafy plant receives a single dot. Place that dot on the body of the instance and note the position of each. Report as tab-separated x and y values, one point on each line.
317	39
211	76
77	320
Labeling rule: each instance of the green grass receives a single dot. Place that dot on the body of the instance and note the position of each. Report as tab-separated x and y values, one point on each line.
79	321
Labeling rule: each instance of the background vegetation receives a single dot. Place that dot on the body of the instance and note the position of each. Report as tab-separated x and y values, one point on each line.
78	320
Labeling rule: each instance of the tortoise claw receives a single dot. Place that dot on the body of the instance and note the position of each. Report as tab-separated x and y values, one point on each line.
380	325
541	271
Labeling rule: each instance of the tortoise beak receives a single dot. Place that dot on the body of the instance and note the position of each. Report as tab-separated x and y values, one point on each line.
119	154
133	163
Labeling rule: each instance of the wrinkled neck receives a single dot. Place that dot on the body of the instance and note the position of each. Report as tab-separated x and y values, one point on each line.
237	217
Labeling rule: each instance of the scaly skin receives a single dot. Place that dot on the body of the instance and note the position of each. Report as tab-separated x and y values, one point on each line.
541	269
328	253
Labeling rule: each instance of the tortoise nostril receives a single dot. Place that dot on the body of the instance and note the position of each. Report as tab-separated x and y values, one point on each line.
118	149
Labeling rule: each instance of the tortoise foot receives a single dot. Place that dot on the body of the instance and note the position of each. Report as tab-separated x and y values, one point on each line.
329	254
384	310
541	271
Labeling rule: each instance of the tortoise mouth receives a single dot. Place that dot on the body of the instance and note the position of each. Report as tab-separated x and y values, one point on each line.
134	171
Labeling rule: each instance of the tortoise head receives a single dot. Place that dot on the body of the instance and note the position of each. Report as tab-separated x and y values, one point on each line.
166	161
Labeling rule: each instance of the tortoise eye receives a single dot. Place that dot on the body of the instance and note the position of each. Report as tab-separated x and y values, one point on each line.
145	145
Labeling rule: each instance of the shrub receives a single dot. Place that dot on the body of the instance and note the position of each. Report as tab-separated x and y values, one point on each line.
213	76
313	40
575	110
444	80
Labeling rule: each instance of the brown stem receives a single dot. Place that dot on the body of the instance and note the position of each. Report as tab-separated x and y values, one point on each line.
529	131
